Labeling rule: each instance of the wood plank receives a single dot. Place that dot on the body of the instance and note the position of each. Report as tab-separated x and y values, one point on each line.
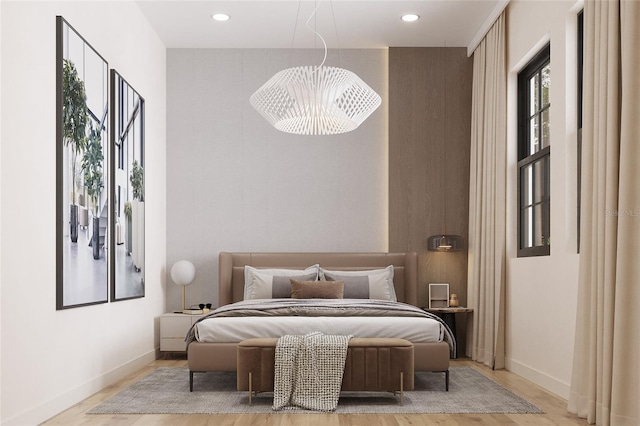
429	153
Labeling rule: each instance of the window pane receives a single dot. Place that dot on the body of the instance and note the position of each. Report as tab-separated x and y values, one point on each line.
534	146
538	238
547	168
534	202
538	180
546	129
546	83
527	185
527	227
534	84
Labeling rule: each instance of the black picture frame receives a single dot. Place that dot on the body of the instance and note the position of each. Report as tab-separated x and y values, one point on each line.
127	189
82	195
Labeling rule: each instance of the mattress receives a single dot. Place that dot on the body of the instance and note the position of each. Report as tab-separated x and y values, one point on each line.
237	329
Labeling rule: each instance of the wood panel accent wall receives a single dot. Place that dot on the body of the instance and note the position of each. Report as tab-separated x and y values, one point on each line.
424	85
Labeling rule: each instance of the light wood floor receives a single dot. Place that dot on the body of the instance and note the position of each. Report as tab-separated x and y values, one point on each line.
555	408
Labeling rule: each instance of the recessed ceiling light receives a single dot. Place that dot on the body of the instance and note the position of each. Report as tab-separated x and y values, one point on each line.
410	17
221	17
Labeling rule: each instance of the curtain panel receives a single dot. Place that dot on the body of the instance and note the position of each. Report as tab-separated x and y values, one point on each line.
605	384
487	201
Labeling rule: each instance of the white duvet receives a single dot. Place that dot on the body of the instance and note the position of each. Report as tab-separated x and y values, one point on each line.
237	329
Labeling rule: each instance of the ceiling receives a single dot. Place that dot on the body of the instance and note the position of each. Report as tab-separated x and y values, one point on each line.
359	23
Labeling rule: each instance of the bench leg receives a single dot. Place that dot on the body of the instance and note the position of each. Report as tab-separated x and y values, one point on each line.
446	378
401	388
190	381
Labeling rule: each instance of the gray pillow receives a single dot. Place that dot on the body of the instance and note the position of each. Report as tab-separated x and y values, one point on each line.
373	285
275	286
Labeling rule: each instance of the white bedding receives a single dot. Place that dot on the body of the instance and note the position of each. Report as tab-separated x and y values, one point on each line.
237	329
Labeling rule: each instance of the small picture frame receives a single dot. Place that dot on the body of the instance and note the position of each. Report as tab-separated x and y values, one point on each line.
438	295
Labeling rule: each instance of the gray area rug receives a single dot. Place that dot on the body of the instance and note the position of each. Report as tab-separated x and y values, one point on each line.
166	391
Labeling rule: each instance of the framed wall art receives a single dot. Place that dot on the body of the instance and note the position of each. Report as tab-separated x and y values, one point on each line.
127	169
82	196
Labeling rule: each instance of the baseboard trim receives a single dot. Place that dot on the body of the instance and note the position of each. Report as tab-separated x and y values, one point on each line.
62	402
541	379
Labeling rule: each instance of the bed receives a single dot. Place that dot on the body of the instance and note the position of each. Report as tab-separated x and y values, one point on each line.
431	354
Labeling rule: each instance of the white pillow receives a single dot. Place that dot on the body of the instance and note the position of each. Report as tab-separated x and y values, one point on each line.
369	284
259	277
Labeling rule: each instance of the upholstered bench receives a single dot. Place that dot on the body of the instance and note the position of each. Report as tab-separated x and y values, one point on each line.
374	364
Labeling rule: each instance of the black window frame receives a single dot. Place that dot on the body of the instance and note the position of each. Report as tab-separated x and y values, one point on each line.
525	159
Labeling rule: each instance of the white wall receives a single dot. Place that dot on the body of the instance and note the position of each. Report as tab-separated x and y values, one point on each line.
542	291
0	206
53	359
237	184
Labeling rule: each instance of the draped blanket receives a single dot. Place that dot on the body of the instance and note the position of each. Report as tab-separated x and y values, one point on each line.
323	307
308	371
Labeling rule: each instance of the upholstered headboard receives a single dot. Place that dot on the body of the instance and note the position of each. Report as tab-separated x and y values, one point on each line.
231	272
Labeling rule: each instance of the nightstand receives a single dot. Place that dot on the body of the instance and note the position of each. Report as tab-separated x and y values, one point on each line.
448	315
173	330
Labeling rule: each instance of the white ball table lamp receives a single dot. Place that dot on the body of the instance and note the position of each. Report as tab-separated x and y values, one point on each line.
183	273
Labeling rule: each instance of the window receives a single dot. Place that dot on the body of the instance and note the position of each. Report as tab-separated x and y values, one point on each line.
534	151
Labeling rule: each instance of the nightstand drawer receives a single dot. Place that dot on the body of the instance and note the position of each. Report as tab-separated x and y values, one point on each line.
173	345
174	327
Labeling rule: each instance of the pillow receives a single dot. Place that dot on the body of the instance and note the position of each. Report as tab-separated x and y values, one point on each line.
316	289
371	284
260	277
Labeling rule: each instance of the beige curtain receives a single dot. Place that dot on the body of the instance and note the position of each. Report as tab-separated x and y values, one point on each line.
605	386
487	240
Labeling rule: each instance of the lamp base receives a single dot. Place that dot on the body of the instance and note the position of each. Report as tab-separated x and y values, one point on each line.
192	311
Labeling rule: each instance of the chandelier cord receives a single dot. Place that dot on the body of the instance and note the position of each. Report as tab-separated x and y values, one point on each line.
444	213
295	27
324	43
335	27
293	37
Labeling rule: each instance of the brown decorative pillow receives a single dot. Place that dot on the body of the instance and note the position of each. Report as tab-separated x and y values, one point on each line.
316	289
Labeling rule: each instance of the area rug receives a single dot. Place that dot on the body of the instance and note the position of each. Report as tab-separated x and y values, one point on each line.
166	391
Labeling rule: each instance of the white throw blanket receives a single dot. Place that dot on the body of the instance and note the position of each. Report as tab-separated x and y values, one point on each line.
308	371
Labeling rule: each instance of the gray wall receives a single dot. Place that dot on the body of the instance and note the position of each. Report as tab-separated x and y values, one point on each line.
236	184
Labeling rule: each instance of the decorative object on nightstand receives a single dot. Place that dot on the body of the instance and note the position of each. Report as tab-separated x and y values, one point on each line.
183	273
453	301
206	307
438	295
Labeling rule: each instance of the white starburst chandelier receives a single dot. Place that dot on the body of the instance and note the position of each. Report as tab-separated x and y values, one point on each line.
315	100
